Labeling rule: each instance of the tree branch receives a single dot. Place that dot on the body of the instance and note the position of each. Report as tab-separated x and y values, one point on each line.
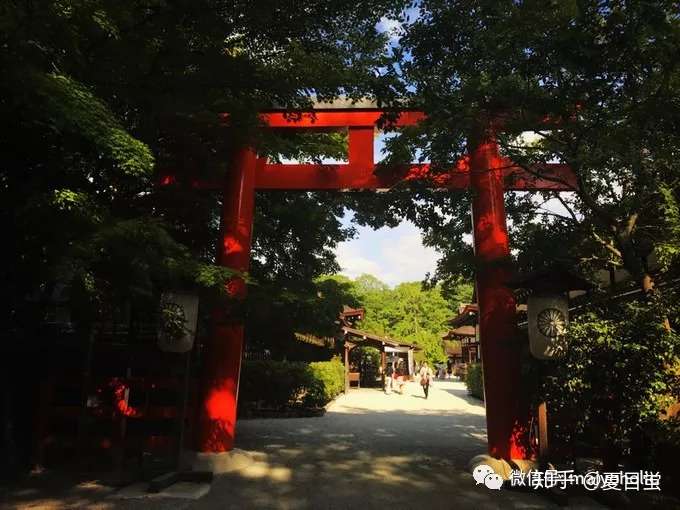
549	213
631	223
607	244
566	206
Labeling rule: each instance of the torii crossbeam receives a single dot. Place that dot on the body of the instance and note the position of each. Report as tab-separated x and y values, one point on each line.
485	171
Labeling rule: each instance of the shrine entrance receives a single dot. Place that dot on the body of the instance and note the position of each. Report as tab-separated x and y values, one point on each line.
484	171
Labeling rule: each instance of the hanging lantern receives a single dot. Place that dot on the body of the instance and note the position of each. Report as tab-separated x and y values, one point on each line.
548	318
177	324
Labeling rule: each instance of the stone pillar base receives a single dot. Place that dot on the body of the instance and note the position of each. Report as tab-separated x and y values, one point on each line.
501	466
216	463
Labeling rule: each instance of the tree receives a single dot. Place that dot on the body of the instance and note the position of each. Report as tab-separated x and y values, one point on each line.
409	312
98	95
591	84
616	380
605	77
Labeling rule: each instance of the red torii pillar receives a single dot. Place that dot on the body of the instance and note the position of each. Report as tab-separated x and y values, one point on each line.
224	350
506	421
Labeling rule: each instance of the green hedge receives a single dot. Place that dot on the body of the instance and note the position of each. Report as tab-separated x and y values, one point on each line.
283	384
329	381
474	380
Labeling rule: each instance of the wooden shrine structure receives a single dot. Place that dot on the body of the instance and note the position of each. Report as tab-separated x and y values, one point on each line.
356	338
464	329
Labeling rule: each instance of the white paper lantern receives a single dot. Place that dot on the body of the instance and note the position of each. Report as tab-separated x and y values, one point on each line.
187	305
548	320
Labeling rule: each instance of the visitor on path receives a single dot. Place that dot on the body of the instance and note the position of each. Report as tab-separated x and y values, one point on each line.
389	373
425	378
398	381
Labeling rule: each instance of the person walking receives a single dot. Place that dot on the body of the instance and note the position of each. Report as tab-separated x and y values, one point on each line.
389	373
425	378
398	381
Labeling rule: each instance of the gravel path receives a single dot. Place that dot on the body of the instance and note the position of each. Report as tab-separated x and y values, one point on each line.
370	451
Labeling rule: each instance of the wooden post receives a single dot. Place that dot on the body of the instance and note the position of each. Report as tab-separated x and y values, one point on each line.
346	367
542	430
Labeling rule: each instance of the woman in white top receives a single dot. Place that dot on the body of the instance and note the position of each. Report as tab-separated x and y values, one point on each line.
425	378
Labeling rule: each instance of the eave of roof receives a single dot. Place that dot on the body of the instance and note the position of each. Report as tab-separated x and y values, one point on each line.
468	316
461	331
365	335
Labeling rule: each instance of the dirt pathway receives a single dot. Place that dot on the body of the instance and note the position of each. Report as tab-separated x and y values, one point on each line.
370	451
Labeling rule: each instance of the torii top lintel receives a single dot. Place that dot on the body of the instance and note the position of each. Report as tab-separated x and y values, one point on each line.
361	120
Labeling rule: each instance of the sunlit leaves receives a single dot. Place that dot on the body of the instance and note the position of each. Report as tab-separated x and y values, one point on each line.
70	107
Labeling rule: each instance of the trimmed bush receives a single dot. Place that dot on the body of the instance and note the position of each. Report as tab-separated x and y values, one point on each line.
328	381
474	380
272	384
284	384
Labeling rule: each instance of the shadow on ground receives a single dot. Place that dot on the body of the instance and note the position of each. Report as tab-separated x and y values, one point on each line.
461	392
338	475
370	451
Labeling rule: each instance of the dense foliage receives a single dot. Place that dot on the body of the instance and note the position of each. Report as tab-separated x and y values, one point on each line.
329	382
409	312
589	83
617	379
97	94
99	97
474	380
285	384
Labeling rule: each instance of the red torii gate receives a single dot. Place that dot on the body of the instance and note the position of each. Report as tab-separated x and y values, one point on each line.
484	171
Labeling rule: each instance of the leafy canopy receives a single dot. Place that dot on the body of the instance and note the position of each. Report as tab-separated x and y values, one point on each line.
99	93
605	76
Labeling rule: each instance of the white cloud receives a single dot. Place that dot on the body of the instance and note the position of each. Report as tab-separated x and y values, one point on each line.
392	255
409	257
392	28
387	25
353	263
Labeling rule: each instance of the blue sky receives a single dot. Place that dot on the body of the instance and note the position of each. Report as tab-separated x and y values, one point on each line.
393	255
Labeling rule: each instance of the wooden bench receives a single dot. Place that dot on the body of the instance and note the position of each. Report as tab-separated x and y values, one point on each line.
354	377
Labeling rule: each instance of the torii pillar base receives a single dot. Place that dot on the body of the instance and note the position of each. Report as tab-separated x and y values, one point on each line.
217	463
